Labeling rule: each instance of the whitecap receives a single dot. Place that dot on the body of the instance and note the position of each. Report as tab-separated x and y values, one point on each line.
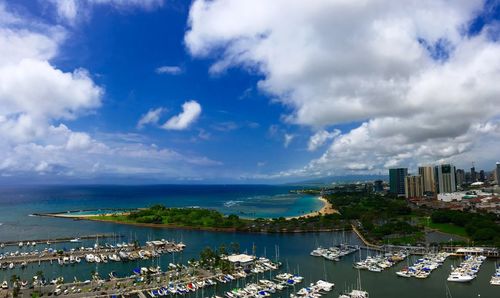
232	203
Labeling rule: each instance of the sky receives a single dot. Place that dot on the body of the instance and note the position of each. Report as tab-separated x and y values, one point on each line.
245	91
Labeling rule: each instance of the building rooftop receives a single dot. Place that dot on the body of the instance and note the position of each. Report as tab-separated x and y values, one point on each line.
241	258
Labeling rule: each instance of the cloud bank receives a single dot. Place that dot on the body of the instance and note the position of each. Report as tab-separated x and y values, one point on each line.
410	78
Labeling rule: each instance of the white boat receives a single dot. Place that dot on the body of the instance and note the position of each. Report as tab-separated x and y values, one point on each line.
325	286
404	273
123	255
90	258
467	270
5	285
460	277
355	294
75	240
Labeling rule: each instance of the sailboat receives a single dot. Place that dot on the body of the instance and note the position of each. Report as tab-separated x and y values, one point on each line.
495	279
357	293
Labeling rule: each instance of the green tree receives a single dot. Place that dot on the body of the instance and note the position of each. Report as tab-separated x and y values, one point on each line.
14	279
235	247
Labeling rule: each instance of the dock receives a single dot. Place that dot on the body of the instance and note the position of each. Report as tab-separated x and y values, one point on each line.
56	256
60	240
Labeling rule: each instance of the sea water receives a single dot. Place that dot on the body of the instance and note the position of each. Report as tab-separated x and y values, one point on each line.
294	249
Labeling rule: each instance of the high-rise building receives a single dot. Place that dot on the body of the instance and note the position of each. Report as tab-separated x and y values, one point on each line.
445	178
497	173
473	175
397	180
427	174
378	186
460	177
482	176
414	187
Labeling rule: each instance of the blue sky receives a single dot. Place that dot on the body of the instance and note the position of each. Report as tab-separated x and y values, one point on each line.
278	102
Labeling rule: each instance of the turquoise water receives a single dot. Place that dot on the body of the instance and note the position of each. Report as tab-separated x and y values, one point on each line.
17	204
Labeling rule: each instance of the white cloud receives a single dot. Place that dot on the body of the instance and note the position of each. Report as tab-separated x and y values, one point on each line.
319	138
151	117
66	9
34	93
36	98
71	10
366	63
78	141
172	70
288	138
191	110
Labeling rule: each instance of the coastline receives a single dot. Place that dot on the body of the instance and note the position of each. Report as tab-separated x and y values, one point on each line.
326	209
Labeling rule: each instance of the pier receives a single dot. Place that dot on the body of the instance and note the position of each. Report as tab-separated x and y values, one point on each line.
77	255
60	240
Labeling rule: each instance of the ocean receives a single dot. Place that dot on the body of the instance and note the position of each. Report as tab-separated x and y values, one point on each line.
17	203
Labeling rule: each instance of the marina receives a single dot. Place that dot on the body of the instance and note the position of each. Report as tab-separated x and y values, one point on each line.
381	262
467	270
97	253
34	242
424	266
152	281
334	253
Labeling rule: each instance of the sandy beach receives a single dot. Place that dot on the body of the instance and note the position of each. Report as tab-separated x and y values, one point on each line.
326	209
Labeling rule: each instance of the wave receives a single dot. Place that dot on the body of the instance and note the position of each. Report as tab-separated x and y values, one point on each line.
232	203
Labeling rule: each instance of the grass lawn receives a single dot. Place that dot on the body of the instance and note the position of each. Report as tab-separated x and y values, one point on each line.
447	228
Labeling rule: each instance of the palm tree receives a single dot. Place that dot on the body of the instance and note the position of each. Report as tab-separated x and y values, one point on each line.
14	279
40	276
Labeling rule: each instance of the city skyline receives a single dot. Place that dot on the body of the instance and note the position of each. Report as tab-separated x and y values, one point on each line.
201	91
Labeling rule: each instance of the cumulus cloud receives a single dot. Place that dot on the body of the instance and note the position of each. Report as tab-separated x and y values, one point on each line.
172	70
319	138
33	92
70	10
191	110
406	75
151	117
36	98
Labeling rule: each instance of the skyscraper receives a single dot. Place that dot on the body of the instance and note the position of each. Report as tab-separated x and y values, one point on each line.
497	173
427	174
460	177
482	176
445	177
414	187
378	186
397	180
473	175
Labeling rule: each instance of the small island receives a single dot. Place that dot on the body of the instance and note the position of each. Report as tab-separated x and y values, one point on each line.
326	219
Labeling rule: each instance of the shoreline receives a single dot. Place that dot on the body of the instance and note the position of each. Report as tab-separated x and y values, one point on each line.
325	210
208	229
